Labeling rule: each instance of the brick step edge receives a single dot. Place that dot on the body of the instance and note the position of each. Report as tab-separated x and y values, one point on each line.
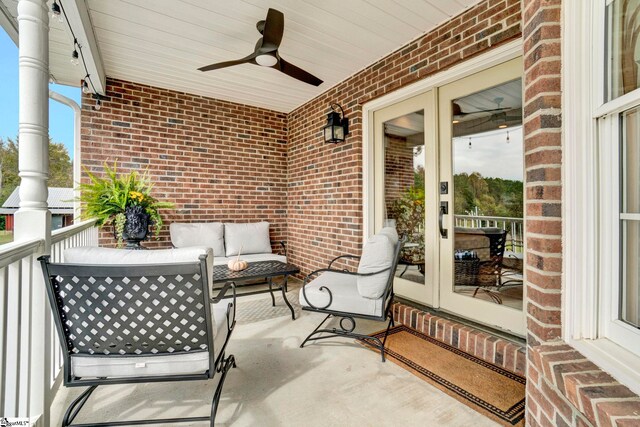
506	354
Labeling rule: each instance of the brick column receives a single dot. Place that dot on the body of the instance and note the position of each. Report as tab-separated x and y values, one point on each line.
543	217
543	158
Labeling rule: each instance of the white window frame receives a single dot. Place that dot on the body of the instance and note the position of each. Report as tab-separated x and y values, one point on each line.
590	235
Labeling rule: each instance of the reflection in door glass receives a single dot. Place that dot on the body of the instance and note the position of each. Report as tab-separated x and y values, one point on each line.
404	190
488	194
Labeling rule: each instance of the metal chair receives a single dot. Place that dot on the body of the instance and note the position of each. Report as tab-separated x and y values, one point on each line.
345	300
128	324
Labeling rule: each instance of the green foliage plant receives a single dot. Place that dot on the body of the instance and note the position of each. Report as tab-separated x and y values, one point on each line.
409	213
106	198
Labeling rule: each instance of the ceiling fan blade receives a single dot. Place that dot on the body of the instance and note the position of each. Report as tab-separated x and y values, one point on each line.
297	73
457	110
273	30
217	65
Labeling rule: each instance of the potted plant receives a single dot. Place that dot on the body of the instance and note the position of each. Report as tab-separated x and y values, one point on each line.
409	215
123	201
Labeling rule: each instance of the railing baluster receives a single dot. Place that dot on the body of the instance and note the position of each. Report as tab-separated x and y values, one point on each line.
26	310
18	306
12	348
4	291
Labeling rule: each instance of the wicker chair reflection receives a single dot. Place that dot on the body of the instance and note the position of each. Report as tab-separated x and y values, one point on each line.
366	294
488	268
127	324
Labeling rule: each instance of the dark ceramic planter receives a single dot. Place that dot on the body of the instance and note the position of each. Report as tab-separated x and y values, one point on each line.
136	227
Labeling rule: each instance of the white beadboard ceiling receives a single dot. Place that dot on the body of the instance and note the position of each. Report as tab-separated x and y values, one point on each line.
163	42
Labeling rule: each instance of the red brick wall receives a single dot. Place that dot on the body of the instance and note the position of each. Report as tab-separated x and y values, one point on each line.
563	387
398	168
325	181
217	160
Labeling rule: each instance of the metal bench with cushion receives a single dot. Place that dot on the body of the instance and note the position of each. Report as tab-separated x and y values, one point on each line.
250	239
127	317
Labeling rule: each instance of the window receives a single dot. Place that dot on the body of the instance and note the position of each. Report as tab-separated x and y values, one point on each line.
601	183
629	307
619	159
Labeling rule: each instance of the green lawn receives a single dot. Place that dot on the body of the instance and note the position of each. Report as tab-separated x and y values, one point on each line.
5	238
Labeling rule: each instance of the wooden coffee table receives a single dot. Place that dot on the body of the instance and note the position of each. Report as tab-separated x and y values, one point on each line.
257	270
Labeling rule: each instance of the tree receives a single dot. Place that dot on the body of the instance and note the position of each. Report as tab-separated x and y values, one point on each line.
60	167
490	196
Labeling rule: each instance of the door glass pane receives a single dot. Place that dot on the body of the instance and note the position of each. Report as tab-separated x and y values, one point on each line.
488	194
404	189
630	220
623	25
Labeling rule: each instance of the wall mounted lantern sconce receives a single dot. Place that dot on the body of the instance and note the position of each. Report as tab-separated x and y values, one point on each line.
337	127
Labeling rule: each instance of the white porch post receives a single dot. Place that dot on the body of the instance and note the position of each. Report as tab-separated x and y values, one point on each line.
33	219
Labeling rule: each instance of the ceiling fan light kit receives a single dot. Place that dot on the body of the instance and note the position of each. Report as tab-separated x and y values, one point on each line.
266	60
266	53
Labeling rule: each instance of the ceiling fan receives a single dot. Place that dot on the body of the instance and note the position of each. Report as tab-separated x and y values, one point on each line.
457	110
266	53
499	118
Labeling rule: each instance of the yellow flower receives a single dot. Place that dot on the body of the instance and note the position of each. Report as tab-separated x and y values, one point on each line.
136	196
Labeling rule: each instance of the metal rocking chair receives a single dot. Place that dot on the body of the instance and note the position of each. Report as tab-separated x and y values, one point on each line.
127	324
345	302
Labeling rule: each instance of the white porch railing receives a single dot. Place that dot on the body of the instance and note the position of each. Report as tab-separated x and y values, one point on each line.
18	267
514	227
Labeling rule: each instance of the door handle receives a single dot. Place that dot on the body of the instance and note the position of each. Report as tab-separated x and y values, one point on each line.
444	210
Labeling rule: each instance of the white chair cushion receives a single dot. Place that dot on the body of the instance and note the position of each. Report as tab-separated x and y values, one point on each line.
220	323
209	234
252	237
101	256
346	298
391	233
196	362
377	255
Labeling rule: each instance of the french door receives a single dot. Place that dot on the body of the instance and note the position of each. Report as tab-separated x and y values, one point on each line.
448	173
403	154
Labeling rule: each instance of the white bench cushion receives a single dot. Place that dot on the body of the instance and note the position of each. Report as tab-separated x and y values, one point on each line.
346	298
247	238
221	260
377	255
208	234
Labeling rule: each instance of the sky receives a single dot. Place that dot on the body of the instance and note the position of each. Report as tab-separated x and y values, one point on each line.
60	116
490	154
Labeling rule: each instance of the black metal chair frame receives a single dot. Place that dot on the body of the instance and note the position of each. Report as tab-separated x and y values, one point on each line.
347	329
73	345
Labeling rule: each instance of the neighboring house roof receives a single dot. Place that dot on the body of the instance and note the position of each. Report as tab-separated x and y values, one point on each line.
60	201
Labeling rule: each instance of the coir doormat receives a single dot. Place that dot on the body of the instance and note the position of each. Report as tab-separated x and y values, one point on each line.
487	388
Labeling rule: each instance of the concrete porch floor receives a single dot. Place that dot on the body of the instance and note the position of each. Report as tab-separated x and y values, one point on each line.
330	383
